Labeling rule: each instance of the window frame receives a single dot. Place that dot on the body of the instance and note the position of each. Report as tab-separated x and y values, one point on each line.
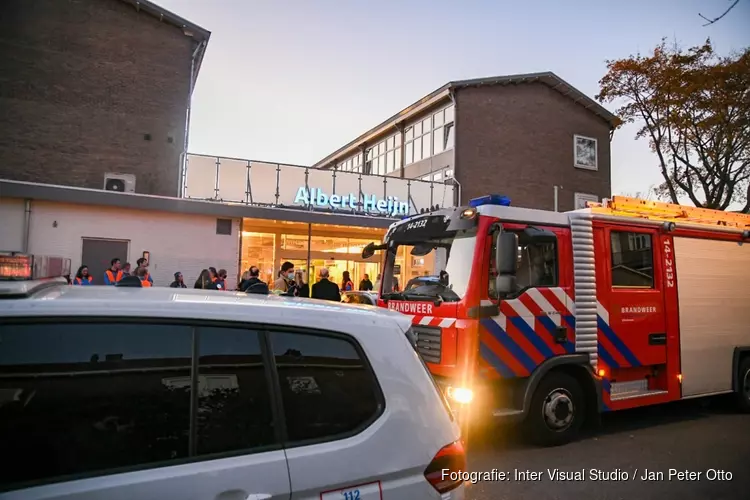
611	261
576	164
514	228
263	331
444	128
314	332
585	197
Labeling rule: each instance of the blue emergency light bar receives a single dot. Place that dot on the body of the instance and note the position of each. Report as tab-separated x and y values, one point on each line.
490	199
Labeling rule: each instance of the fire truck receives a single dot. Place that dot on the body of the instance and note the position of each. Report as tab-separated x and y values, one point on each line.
549	318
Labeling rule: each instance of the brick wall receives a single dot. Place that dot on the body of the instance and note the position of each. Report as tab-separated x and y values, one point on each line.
186	243
83	81
517	140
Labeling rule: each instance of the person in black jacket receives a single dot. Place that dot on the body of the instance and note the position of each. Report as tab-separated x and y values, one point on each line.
205	282
254	284
325	289
179	281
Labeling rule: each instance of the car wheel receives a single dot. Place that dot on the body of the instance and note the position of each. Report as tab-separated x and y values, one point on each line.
557	410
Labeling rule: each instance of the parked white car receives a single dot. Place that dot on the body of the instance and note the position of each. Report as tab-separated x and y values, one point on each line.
124	393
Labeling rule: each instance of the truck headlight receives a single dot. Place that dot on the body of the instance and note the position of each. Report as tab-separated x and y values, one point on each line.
460	395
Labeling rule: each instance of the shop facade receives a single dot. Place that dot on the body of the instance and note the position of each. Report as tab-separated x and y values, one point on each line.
187	235
360	209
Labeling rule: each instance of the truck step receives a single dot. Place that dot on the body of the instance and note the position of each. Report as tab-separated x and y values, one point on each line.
632	389
506	413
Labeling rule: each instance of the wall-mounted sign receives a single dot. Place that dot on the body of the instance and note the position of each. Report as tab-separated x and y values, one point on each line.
390	206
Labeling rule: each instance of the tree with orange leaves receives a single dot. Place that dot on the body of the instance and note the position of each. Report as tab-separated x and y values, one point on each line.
694	109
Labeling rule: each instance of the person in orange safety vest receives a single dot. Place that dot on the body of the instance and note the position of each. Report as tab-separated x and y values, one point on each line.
83	277
142	274
143	263
114	273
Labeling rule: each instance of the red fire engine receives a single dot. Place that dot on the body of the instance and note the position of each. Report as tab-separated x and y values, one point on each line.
551	318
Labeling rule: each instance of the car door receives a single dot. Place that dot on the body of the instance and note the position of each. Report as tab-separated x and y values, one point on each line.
342	442
97	409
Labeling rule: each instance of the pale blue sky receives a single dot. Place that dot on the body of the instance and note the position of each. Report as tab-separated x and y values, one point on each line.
292	80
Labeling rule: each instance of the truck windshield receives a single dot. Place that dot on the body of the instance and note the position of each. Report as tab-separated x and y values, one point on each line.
430	269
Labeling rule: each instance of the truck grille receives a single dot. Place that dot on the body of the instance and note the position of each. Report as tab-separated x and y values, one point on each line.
428	342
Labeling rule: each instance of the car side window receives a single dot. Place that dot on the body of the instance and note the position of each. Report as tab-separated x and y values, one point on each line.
85	397
327	388
234	407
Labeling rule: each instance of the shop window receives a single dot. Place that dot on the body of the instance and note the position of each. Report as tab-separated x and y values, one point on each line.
327	389
632	259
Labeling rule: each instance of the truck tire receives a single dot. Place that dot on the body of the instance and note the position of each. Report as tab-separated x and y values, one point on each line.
557	410
743	386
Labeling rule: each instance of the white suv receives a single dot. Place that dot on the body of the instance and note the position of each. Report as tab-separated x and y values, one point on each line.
150	393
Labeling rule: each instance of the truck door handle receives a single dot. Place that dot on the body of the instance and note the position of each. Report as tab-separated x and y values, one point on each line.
657	339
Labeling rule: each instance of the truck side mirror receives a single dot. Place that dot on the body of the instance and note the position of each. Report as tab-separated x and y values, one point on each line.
506	261
506	253
368	251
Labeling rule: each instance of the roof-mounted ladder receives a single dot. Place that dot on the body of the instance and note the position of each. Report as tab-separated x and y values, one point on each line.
624	206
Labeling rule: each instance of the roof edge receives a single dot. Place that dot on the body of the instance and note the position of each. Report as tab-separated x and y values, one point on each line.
199	33
138	201
548	78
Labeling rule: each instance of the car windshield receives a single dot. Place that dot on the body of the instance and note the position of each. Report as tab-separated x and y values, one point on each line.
431	269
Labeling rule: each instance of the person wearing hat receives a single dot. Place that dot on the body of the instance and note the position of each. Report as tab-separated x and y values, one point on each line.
178	282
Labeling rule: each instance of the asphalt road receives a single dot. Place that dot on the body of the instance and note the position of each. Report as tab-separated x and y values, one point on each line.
688	436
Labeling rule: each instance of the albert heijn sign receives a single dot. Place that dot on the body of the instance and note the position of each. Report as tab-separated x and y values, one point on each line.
416	308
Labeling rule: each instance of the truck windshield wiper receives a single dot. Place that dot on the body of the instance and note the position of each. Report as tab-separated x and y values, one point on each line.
392	296
436	297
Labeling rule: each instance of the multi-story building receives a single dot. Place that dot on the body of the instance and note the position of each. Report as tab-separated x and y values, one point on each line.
96	87
525	136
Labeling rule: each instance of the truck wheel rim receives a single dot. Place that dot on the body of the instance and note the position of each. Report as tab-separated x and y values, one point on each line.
558	409
746	385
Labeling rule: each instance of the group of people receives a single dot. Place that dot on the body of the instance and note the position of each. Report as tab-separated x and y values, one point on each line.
289	282
293	283
117	273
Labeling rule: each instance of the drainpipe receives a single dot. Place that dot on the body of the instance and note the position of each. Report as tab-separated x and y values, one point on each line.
26	225
452	95
183	162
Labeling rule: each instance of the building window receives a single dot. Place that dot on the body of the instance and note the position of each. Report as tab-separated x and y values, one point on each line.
351	164
429	137
585	152
384	155
632	260
581	199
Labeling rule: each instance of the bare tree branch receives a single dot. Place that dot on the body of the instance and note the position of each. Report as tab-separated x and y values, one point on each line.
711	21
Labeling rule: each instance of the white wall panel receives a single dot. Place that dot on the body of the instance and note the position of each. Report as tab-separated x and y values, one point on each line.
185	243
11	224
232	180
